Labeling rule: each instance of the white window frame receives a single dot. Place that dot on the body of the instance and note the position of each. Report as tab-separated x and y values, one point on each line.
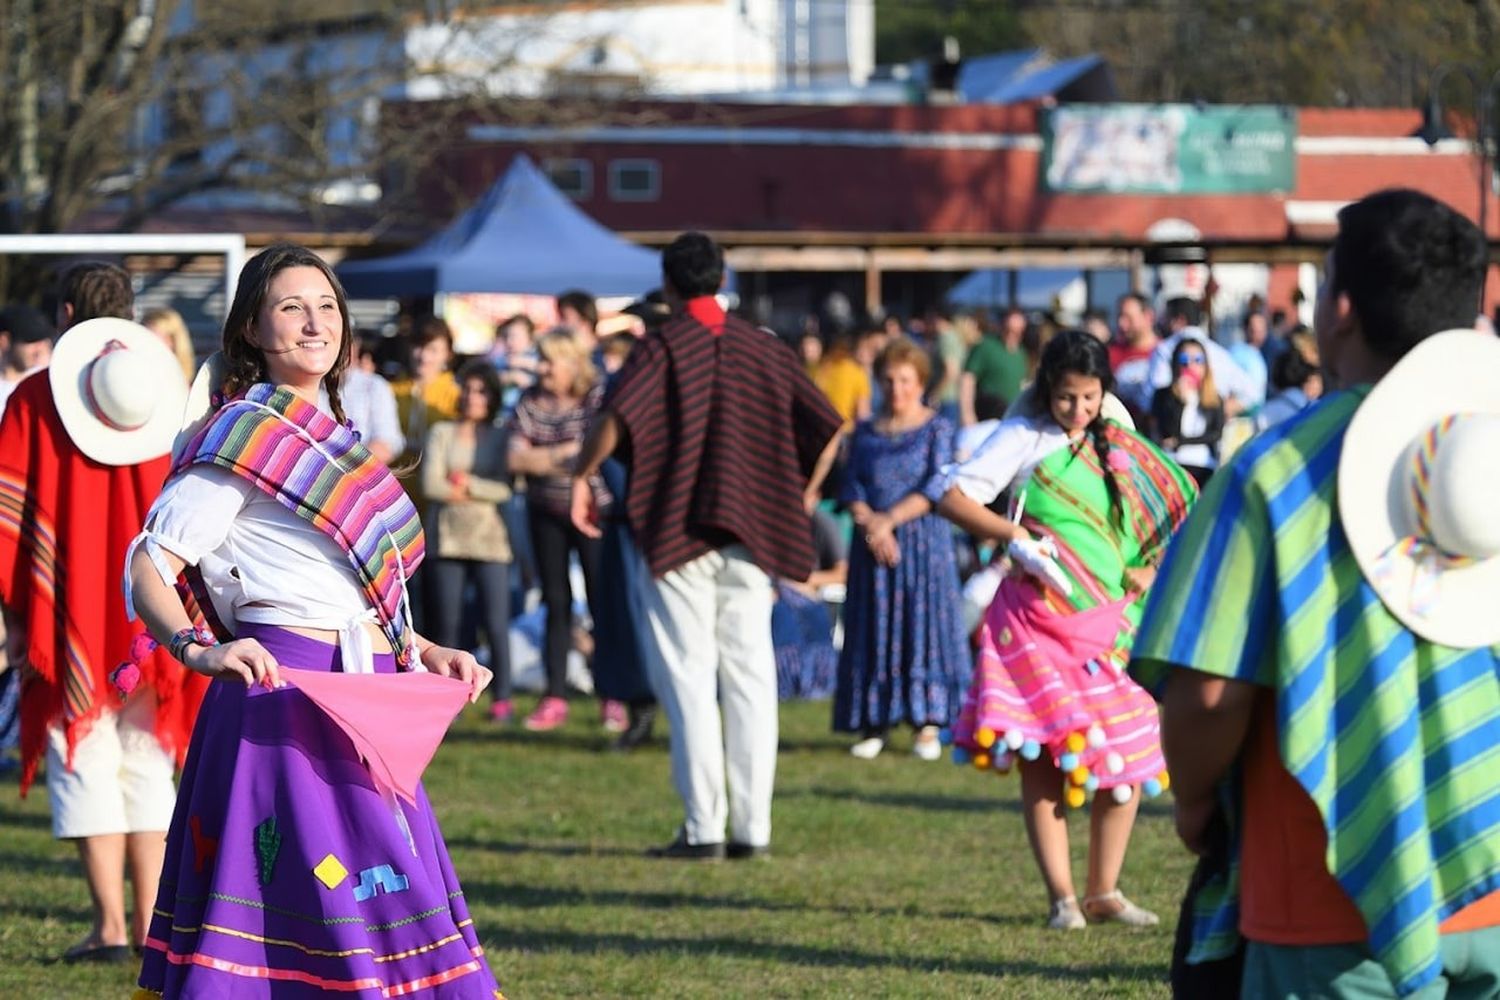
616	167
230	245
585	170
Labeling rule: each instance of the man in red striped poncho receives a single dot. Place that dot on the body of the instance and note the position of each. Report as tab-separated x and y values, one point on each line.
726	441
75	484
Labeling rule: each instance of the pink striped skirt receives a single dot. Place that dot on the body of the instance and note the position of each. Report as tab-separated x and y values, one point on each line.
1049	683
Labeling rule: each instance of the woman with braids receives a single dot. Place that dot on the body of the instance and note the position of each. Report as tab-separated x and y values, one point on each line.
303	855
1093	505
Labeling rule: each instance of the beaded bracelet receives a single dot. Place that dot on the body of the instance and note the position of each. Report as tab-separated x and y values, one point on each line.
183	638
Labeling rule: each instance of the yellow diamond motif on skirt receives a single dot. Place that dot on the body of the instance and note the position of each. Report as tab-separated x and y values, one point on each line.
331	871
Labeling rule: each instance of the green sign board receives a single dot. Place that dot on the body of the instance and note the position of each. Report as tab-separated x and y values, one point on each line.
1169	149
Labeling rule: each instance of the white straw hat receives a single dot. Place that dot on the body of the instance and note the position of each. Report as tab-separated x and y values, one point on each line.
118	390
1417	487
201	402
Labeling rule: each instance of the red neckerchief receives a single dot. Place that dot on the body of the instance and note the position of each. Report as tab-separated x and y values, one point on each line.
706	310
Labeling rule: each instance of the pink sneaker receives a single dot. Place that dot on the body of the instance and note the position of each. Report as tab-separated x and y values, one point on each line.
503	712
612	716
550	713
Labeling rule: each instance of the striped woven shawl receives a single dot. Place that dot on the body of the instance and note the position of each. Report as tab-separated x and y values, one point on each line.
318	470
1395	739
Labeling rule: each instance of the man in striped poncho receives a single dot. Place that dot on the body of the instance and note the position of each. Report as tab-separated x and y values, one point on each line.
1359	756
726	442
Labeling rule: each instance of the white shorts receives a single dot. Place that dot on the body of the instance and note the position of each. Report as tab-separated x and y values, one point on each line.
121	779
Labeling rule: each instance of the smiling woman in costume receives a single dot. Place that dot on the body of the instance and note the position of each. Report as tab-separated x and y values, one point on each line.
275	560
1093	507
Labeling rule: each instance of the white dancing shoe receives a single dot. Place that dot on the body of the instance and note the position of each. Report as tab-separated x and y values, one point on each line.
1066	916
1127	913
868	748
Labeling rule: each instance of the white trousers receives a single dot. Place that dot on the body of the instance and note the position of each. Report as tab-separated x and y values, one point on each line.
712	622
121	778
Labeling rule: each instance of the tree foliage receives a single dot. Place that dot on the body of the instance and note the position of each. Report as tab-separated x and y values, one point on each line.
908	30
1359	53
115	110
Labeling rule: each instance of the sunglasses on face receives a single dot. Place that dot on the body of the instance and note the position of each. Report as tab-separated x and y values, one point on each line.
1191	359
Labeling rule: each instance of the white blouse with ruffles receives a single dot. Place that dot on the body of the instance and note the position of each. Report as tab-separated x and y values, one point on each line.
1006	458
259	561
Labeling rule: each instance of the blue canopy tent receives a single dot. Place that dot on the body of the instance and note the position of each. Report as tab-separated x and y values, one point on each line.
1031	74
1035	288
523	237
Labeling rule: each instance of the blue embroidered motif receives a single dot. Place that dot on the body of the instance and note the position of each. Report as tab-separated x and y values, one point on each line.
380	878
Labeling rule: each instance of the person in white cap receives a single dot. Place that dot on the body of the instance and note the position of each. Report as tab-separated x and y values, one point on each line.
83	452
1325	640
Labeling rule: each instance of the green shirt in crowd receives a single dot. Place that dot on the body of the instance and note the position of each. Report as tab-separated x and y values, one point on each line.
997	370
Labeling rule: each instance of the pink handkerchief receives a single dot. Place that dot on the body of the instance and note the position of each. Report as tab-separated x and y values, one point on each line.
395	720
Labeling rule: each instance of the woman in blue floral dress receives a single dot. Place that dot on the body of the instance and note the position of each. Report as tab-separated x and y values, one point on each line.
905	655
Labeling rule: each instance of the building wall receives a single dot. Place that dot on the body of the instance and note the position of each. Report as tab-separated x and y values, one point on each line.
968	170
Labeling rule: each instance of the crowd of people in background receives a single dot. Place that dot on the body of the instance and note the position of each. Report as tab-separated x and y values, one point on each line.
604	510
485	446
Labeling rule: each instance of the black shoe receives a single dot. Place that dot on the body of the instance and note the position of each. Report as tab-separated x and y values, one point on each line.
681	850
747	852
639	730
107	954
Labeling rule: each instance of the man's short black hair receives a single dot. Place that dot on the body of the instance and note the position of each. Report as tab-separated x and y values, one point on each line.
25	325
1186	309
1411	267
693	265
580	302
1290	370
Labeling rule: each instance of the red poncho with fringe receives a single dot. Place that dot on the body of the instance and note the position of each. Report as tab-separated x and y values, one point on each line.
65	523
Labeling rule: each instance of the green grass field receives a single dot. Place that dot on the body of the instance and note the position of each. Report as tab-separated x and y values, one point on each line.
892	877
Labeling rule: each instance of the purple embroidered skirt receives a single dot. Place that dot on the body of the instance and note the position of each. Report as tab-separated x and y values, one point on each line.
287	875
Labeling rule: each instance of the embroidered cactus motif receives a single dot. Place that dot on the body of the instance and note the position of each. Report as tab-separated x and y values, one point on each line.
378	879
267	846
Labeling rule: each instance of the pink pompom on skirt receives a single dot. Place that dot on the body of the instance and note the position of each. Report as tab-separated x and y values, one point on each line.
1047	682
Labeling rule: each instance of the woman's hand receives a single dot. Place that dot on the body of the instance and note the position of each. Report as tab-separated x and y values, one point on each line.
1138	579
886	550
879	525
246	659
582	511
880	537
456	663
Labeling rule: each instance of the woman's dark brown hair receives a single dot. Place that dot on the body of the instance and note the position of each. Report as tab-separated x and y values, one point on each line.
245	362
481	371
